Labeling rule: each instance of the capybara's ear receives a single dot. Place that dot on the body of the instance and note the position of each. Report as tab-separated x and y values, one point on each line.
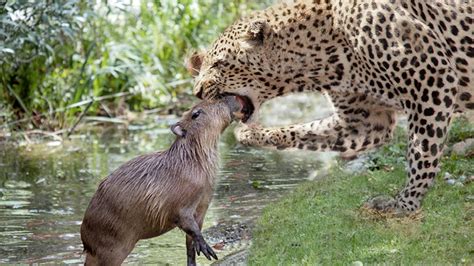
194	63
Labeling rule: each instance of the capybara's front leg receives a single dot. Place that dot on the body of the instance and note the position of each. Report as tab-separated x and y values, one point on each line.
188	224
190	251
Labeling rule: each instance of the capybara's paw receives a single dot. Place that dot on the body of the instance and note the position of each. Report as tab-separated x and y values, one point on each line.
249	135
200	245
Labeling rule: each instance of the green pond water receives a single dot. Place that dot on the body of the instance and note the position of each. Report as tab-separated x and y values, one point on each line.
46	187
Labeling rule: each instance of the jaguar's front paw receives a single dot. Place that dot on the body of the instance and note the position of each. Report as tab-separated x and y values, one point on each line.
385	205
248	135
381	203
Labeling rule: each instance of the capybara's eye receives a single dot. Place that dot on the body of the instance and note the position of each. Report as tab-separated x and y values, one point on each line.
196	114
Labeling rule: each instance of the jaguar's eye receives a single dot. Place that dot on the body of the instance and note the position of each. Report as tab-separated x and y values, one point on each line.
218	63
196	114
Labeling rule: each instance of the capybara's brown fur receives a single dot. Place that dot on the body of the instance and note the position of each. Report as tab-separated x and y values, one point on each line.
154	193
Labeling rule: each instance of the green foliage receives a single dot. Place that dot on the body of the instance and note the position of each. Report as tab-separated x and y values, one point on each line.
54	55
393	154
390	155
460	129
37	37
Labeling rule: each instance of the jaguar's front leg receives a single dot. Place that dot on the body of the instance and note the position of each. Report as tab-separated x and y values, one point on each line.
347	133
424	153
293	136
427	129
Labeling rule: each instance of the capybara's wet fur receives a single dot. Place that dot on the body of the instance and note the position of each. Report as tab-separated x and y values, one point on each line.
154	193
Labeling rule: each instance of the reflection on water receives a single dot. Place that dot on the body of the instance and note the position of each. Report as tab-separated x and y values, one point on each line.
45	188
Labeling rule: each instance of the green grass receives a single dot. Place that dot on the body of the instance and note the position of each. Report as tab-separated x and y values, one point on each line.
322	221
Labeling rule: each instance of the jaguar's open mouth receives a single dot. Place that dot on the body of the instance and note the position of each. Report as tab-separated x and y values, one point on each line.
247	107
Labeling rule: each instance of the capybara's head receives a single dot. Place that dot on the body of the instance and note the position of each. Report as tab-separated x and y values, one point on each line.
208	118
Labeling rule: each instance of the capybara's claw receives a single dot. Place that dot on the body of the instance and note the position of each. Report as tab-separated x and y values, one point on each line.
202	246
212	253
197	247
209	252
206	254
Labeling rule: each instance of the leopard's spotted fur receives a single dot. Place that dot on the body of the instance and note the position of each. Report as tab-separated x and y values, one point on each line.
373	58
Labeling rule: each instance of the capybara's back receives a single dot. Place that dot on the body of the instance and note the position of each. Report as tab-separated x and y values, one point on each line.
126	194
154	193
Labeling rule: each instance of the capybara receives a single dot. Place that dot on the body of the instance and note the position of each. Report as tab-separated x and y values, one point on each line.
154	193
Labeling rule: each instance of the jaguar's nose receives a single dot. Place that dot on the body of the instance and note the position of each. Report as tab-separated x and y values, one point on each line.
199	93
198	90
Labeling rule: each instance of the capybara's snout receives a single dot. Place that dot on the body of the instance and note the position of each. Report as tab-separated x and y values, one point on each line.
233	104
178	130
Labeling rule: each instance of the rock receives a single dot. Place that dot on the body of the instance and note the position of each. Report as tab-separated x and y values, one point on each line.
235	259
450	181
357	165
464	148
447	176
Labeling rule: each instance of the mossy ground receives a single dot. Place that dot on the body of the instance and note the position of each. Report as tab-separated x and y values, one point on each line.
322	222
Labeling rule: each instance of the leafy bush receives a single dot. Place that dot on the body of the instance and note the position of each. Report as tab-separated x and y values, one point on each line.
57	57
37	37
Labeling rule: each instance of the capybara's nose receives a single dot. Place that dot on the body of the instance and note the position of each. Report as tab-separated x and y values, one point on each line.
233	103
178	130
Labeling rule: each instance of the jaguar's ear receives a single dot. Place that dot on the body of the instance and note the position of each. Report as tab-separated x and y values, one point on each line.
256	32
194	63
